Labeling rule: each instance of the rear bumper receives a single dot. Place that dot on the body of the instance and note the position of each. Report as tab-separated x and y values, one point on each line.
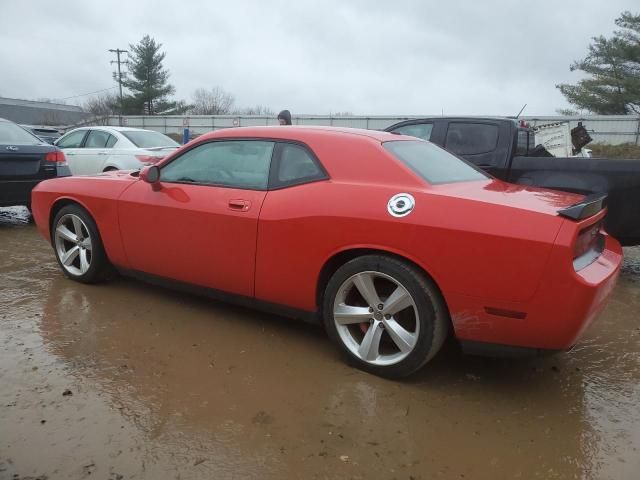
564	306
16	192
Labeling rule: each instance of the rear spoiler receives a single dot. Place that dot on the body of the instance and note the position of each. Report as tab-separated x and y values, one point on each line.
587	207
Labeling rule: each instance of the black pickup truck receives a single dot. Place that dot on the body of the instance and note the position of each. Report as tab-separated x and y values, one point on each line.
506	149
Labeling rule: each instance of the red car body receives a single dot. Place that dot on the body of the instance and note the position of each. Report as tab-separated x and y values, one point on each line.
500	254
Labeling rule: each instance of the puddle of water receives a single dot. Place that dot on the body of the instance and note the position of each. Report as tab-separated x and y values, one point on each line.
165	385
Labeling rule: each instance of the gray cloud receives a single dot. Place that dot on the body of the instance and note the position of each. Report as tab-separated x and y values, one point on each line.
367	57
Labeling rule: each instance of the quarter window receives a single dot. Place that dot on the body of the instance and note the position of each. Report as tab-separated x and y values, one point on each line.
420	130
73	140
112	141
238	163
471	138
296	165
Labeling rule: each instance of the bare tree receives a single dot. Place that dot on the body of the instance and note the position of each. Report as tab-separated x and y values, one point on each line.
211	102
257	110
102	105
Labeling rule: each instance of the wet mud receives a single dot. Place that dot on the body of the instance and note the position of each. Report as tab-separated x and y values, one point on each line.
128	381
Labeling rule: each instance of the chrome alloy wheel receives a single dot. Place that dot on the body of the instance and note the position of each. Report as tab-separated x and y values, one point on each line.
73	244
376	318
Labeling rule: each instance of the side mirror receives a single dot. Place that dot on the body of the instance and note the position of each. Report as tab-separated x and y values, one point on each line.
151	174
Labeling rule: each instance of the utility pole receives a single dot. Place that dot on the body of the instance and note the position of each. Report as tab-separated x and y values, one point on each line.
117	51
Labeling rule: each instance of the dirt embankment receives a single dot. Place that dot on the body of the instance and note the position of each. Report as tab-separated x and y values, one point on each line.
615	151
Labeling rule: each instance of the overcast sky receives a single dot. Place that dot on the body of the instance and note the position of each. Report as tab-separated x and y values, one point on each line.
361	56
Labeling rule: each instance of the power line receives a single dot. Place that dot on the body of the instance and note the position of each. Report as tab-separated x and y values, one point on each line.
90	93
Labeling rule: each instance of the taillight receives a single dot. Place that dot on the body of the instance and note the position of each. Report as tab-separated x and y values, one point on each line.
56	156
587	239
148	158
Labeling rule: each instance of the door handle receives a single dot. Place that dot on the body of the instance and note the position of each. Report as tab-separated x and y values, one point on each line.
239	205
102	153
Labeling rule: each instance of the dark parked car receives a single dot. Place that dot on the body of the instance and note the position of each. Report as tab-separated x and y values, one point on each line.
49	135
25	160
507	150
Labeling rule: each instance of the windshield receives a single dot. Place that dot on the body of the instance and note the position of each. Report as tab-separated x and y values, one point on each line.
149	139
12	134
432	163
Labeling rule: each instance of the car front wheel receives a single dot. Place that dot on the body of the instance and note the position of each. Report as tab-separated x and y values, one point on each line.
385	315
78	246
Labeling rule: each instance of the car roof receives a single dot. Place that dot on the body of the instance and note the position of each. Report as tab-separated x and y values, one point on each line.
302	132
42	128
114	129
467	118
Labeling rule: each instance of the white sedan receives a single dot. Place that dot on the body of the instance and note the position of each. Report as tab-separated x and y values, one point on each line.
91	150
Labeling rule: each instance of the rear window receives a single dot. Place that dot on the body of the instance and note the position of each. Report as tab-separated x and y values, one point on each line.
433	163
148	139
12	134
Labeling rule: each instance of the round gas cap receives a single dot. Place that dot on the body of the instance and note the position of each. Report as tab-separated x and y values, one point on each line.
400	205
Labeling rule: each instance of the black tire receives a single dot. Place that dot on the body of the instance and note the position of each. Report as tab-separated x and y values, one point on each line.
100	268
109	169
432	314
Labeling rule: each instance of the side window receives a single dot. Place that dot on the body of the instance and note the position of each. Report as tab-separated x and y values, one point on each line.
97	139
420	130
112	141
471	138
295	165
235	163
73	140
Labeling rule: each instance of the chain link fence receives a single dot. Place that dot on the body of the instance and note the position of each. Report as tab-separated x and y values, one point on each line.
604	129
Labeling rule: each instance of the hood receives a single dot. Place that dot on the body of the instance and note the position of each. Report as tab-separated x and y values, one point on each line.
130	174
523	197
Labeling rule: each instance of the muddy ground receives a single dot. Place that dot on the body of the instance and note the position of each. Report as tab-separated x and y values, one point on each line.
129	381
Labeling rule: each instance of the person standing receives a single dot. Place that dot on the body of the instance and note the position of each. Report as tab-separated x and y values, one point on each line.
284	117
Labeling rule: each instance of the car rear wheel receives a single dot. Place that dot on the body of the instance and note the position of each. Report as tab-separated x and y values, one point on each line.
78	246
385	315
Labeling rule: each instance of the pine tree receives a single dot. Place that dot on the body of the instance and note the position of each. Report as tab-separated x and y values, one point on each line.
149	79
613	66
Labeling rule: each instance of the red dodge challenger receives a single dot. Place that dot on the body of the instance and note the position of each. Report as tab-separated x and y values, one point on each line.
392	242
